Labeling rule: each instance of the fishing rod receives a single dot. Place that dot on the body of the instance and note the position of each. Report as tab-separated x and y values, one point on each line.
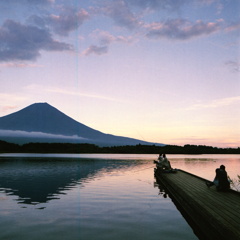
144	169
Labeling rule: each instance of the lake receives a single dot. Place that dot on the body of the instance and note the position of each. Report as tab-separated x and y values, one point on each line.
95	196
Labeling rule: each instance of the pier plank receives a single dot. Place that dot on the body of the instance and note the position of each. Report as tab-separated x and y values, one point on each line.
215	215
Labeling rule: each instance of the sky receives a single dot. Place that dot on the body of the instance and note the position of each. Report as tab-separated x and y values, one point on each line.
164	71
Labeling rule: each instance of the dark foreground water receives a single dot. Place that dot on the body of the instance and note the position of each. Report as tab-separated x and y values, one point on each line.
94	196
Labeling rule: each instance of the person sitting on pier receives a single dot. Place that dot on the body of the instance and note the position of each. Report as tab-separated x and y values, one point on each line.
160	157
159	160
163	163
221	179
215	181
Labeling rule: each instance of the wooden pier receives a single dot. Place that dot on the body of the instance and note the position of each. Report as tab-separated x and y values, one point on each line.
212	214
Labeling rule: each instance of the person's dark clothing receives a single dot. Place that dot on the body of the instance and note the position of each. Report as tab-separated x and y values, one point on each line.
223	183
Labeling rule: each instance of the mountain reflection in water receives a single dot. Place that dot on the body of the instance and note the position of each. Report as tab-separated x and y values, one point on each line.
39	180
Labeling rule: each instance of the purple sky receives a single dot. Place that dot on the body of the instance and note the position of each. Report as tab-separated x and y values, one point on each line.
163	71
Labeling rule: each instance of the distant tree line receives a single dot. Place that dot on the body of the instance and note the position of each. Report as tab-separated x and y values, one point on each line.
6	147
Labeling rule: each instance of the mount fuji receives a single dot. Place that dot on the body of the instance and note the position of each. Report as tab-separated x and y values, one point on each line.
41	122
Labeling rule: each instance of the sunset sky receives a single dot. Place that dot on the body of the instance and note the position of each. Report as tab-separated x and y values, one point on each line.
165	71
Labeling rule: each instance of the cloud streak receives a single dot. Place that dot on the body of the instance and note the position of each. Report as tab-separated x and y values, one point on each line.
27	2
171	5
68	20
120	13
10	101
36	87
105	39
97	50
60	91
233	26
11	133
19	65
233	65
216	103
8	107
181	29
7	97
24	42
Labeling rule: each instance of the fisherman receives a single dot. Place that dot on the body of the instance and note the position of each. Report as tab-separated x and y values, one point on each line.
160	157
163	163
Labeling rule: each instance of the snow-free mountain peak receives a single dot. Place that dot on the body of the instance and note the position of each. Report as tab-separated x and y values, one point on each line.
44	123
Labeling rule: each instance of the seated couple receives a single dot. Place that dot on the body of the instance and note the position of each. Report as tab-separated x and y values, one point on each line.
221	180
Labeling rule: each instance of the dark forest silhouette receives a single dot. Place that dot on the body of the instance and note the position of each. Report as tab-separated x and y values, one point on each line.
6	147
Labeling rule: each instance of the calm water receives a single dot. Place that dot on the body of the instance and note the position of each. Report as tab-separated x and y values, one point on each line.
94	196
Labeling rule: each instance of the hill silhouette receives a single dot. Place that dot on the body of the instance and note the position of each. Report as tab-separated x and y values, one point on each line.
41	122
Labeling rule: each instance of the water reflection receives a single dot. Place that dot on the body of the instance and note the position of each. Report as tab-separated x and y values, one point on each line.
162	191
40	180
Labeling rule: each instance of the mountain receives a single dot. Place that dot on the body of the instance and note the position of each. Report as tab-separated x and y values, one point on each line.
41	122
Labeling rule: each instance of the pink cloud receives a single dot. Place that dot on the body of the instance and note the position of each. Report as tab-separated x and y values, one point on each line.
181	29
